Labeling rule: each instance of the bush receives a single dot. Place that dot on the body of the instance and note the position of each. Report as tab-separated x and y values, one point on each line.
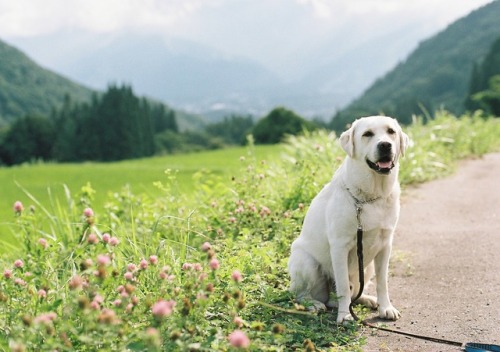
279	123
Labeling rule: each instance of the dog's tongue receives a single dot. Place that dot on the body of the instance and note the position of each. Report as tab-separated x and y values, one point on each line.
384	164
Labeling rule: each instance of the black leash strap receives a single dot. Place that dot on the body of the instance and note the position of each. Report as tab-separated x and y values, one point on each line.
469	347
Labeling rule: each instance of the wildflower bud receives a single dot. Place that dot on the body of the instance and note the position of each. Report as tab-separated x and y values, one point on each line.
153	259
106	237
143	264
175	335
210	287
239	339
205	247
87	263
131	267
129	288
27	320
278	329
309	345
163	308
75	282
93	239
43	242
17	347
214	264
237	294
88	212
187	306
210	253
107	316
101	272
236	276
128	276
42	293
20	282
113	241
241	303
238	321
18	207
83	302
103	260
7	273
18	263
187	266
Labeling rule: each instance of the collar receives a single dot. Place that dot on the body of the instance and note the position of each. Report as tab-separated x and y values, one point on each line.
359	201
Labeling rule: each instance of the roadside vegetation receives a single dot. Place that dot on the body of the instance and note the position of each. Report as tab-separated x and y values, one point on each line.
200	270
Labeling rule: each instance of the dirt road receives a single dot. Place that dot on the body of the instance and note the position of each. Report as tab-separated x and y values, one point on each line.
446	261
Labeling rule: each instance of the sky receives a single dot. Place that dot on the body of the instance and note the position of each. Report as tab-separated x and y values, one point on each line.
323	53
268	31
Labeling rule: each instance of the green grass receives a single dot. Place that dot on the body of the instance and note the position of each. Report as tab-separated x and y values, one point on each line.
105	178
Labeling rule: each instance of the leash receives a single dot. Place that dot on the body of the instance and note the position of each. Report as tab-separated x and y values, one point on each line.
468	347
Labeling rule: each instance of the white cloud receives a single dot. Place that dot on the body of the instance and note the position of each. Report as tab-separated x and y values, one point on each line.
278	33
33	17
321	8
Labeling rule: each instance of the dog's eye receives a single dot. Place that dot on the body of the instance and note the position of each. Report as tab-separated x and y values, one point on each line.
368	134
391	131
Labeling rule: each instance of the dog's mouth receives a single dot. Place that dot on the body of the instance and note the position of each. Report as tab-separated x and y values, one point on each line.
383	166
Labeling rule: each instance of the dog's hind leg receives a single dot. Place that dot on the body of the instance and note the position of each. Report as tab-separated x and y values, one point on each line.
308	282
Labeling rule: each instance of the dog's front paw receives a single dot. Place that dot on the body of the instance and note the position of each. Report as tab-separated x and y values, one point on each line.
389	312
344	318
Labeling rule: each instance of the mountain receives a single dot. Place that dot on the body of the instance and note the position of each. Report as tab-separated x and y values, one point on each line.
436	75
179	72
26	88
198	78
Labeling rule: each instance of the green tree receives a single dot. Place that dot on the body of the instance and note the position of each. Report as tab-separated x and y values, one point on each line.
481	76
489	99
28	138
278	123
232	130
161	118
115	126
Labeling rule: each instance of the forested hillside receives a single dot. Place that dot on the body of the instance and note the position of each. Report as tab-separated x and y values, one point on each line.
26	88
436	75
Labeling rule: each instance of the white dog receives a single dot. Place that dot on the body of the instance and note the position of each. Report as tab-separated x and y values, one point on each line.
323	258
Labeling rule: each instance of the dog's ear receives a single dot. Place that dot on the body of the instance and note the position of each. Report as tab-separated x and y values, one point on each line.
347	140
404	142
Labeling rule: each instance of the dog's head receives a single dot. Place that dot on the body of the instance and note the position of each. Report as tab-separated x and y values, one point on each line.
377	141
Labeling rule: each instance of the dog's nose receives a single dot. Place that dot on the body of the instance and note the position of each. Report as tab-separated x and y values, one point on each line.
384	146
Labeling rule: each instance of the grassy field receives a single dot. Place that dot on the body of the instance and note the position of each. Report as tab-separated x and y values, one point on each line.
195	264
46	180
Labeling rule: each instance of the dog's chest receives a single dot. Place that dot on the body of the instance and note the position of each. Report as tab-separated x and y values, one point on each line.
380	217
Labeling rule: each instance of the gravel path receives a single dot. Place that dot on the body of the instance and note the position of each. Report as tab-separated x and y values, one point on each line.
446	262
